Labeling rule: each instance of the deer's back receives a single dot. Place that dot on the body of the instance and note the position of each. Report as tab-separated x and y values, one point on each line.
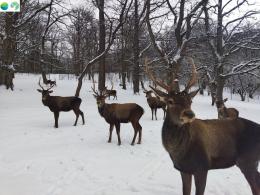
154	102
213	144
124	113
232	113
64	103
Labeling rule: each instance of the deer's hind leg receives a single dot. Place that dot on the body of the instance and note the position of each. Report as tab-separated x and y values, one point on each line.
135	132
139	128
82	116
76	111
249	169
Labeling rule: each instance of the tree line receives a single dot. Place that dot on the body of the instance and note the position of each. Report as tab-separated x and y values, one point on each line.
117	35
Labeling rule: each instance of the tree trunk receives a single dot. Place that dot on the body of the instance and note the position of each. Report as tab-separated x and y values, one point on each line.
44	77
136	49
9	44
123	65
9	48
220	50
220	88
102	46
77	49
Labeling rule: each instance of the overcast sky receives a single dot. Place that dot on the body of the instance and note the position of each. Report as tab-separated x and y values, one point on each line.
244	8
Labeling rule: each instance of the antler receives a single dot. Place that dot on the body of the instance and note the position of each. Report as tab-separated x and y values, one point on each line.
39	83
142	85
194	76
94	88
94	91
151	76
50	87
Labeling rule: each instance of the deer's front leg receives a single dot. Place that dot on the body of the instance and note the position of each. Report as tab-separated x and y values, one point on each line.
186	183
118	133
56	117
110	132
200	182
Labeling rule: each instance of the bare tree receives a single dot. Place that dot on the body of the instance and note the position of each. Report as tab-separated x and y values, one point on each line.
53	17
13	23
115	25
227	40
82	35
184	20
102	44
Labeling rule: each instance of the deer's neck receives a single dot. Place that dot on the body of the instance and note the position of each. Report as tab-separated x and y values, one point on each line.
46	101
176	138
101	109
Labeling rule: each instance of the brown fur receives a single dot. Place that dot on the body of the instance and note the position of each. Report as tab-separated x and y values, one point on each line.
57	104
196	146
114	114
201	145
110	92
155	103
224	112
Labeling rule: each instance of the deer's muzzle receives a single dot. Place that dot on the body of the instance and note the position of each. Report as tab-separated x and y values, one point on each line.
187	116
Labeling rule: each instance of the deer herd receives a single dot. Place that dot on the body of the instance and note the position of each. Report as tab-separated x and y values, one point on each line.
195	146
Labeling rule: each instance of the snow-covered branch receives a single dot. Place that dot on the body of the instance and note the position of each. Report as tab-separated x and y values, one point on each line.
243	68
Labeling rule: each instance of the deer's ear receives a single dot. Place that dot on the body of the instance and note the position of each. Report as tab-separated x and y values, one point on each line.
226	99
50	91
39	90
194	93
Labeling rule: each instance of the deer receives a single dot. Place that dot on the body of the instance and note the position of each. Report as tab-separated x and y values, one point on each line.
224	112
115	114
155	103
196	146
57	104
48	81
110	92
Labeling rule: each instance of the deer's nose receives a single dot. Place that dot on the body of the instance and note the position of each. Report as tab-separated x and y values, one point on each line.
189	113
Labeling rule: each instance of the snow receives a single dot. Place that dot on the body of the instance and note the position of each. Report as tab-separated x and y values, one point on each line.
9	67
36	158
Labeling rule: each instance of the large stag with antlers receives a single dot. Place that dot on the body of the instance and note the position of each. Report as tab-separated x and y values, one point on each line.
114	114
196	146
57	104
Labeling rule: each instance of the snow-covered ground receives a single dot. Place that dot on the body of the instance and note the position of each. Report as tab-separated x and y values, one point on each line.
37	159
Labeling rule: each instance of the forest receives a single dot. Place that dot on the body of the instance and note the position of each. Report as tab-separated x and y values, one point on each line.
119	61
